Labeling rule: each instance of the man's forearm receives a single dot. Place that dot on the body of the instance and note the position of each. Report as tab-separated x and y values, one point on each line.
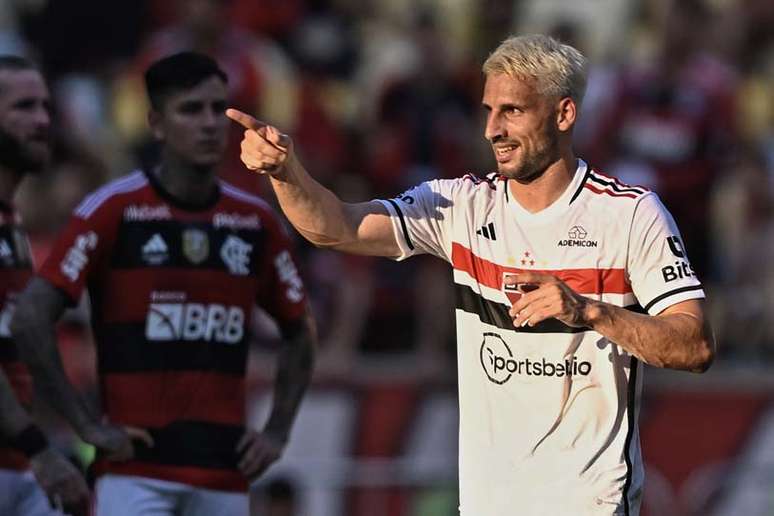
13	417
316	212
35	336
294	371
45	364
675	340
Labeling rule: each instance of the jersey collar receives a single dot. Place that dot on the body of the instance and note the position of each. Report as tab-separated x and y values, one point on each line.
558	207
153	180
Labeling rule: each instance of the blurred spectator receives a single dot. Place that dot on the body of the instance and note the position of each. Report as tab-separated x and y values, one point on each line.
261	77
324	46
743	227
12	42
671	125
66	33
423	117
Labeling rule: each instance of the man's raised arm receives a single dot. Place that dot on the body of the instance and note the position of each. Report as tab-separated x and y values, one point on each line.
316	212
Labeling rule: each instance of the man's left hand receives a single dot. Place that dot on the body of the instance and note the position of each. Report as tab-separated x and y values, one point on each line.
548	297
60	480
258	451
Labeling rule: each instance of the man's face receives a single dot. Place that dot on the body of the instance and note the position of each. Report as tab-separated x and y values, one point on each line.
521	126
192	123
25	120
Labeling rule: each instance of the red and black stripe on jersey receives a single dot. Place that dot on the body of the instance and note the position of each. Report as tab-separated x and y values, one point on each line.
15	272
172	289
489	274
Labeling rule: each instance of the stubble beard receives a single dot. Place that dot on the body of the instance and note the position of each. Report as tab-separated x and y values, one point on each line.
535	163
15	156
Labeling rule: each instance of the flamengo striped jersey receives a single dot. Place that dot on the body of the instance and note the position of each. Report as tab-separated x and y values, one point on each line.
172	288
548	414
15	271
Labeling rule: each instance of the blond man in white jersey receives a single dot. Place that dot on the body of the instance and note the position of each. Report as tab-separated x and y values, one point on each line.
566	281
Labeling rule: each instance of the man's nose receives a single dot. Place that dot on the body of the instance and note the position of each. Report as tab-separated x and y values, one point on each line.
493	130
42	117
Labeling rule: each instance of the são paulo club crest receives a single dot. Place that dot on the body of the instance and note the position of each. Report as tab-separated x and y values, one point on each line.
515	291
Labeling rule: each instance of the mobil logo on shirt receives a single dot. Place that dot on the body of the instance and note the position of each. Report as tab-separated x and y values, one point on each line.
500	364
171	319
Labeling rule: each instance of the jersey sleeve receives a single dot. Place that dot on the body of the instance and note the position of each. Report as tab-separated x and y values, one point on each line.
79	250
422	219
282	293
657	264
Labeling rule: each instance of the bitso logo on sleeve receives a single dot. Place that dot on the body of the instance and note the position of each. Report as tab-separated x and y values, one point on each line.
676	246
235	253
681	268
76	258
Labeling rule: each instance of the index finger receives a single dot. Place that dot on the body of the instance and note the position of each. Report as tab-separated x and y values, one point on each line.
528	277
139	434
243	119
247	438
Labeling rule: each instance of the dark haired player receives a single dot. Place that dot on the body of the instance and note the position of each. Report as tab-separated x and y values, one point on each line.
174	261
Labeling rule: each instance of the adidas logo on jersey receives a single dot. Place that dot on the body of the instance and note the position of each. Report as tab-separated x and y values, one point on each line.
155	251
487	231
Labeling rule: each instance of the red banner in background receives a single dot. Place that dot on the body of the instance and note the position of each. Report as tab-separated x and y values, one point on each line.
692	443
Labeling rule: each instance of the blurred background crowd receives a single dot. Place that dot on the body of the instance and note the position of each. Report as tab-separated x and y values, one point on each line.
382	94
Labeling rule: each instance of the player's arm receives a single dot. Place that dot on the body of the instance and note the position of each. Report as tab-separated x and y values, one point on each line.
58	478
295	363
675	332
316	212
679	337
34	330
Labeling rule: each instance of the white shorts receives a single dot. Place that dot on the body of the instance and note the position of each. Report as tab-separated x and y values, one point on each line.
20	495
119	495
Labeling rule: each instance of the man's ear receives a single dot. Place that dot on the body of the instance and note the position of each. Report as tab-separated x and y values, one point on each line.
154	122
567	114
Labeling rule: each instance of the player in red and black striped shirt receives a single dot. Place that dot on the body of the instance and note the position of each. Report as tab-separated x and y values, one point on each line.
174	261
24	148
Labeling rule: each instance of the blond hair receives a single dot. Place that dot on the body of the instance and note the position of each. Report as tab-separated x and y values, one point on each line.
559	69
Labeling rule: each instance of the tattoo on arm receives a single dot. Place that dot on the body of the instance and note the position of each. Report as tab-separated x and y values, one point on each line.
294	371
34	331
13	417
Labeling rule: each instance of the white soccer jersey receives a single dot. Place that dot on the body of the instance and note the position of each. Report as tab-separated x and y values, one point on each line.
548	414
